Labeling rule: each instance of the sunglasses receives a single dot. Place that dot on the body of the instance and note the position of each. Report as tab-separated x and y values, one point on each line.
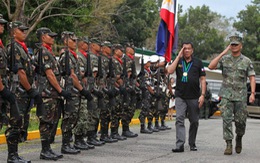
234	44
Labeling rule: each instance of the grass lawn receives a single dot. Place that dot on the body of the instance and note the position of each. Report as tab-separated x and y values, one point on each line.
34	121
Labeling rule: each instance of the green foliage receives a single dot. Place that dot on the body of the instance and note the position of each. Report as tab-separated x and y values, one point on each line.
135	20
195	26
249	25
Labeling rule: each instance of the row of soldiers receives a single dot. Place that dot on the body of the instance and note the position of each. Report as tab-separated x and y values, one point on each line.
95	84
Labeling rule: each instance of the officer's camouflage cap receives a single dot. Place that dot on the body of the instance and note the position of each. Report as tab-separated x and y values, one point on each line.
235	39
44	30
2	20
18	24
68	34
95	40
107	43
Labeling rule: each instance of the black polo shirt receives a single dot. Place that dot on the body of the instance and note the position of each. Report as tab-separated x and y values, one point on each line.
191	88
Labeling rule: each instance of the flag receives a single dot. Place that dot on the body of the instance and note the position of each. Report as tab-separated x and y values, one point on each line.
166	35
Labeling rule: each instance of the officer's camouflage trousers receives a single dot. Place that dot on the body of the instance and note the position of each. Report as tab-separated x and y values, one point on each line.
17	129
116	112
81	126
47	122
69	119
93	116
128	111
228	108
145	110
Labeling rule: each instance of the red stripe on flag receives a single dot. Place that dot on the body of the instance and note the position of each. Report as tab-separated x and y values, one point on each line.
169	18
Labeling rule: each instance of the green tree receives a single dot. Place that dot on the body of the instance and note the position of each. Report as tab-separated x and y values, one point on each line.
196	26
135	20
249	25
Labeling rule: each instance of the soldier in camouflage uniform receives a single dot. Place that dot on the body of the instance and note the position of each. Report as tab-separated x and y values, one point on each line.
116	113
17	131
145	86
80	130
94	113
155	96
73	77
236	68
52	91
165	97
105	114
129	110
5	94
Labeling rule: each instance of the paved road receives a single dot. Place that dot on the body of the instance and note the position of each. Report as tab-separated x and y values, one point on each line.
157	147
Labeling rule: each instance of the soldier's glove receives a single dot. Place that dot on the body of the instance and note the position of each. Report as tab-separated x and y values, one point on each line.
97	93
32	93
7	95
122	90
131	91
86	94
66	94
157	95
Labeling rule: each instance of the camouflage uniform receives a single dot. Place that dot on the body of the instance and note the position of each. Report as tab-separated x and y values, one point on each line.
146	100
116	112
69	118
3	104
105	114
51	101
233	93
129	108
18	132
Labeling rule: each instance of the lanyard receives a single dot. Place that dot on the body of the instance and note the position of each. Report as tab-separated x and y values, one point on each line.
185	69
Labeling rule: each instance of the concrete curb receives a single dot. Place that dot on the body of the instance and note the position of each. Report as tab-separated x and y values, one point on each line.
36	135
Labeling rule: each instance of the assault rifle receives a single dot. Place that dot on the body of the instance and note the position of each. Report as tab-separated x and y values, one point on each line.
124	77
159	105
68	80
14	110
41	80
90	81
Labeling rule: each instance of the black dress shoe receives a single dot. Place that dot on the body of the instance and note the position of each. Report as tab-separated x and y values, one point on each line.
178	150
193	148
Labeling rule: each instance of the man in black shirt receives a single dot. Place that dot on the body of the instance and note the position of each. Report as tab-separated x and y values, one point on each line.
191	77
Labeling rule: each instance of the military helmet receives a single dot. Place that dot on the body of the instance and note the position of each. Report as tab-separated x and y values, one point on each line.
146	59
68	34
44	30
107	43
2	20
95	40
154	58
18	24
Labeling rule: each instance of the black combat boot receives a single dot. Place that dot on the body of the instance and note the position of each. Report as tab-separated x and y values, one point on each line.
165	126
238	147
143	130
92	139
80	143
156	125
127	133
228	150
13	156
46	153
66	148
150	127
115	135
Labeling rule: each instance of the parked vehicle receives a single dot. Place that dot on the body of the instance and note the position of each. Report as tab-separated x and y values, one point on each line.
254	109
